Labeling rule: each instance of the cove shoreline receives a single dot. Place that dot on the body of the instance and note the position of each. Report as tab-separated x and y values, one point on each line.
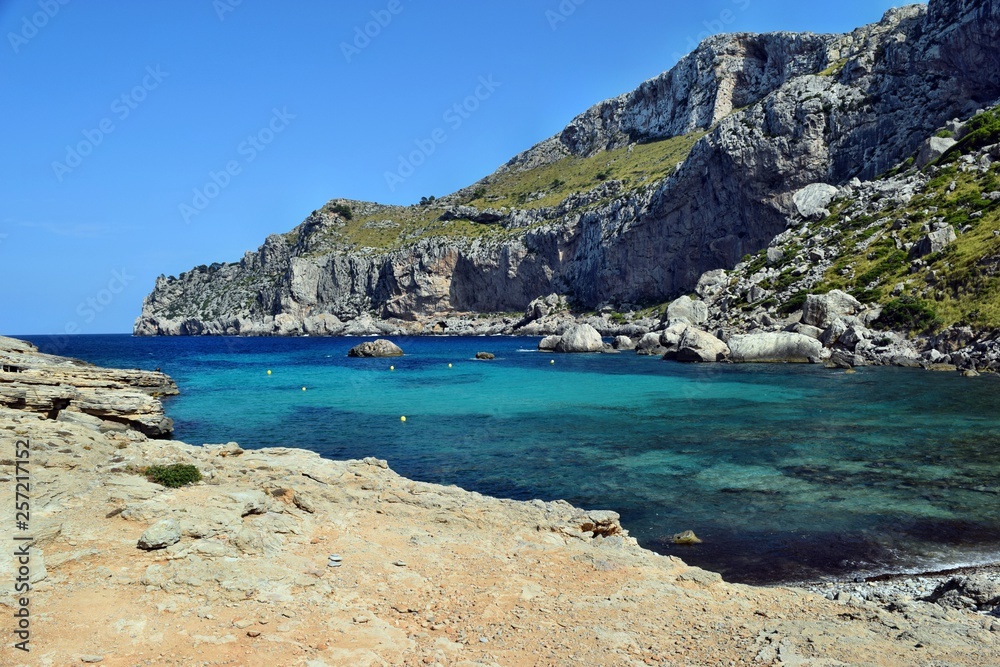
220	434
424	571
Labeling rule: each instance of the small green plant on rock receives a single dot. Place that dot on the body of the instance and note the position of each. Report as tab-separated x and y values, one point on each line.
174	475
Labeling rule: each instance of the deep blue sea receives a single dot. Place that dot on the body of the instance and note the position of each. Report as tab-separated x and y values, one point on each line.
786	472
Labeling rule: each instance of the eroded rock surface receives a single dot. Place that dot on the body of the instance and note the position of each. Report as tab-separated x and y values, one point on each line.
59	387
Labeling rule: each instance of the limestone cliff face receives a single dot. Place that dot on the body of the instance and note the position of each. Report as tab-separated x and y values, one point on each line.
778	112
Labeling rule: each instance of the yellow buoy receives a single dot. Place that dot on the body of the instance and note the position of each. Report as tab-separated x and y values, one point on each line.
268	371
392	368
449	365
303	388
403	418
552	361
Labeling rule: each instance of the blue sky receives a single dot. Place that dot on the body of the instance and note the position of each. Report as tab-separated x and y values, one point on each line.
147	137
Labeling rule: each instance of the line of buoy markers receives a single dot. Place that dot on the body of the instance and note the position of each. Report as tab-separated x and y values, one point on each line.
393	368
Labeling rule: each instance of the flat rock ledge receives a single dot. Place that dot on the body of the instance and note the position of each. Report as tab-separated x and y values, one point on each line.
62	388
279	556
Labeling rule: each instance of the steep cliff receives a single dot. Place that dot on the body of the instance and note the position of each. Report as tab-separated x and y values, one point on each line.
633	201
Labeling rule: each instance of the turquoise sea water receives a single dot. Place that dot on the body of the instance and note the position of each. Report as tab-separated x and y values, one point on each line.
786	472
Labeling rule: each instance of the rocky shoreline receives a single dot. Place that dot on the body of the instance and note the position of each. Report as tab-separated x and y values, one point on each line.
278	556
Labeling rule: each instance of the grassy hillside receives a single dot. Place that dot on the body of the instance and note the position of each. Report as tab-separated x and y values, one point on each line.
960	284
636	166
364	225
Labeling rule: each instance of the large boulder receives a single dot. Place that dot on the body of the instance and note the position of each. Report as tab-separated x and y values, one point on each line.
711	282
623	343
580	338
812	200
376	348
650	345
932	149
549	343
700	346
831	335
777	347
688	310
820	310
973	593
935	241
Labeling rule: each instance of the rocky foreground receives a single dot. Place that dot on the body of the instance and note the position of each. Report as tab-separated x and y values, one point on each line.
236	569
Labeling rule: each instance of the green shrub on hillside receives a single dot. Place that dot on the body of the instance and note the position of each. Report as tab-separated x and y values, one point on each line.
343	211
795	302
907	313
174	475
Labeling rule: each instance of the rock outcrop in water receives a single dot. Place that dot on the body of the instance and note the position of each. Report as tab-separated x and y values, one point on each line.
686	174
376	348
281	557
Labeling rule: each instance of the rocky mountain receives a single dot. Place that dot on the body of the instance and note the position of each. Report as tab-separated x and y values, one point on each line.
631	203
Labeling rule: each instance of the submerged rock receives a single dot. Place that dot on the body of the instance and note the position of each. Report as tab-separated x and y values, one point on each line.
686	537
376	348
485	356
